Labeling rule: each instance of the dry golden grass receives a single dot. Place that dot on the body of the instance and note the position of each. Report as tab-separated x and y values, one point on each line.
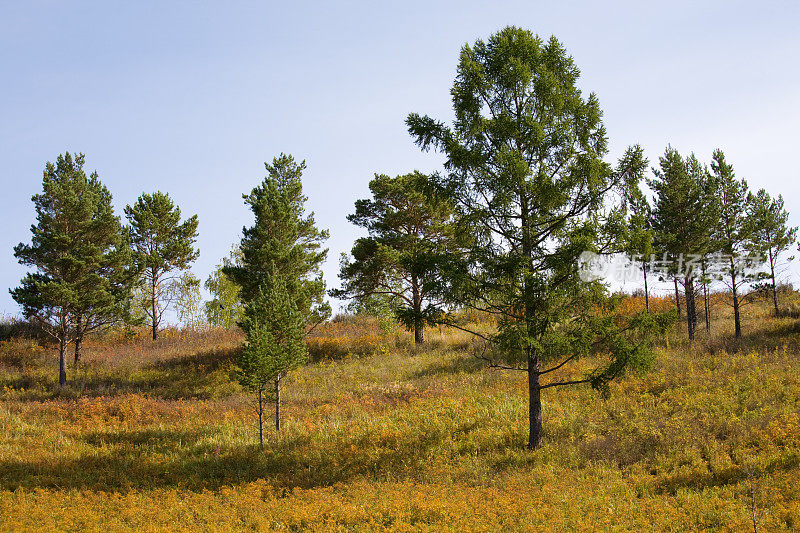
382	436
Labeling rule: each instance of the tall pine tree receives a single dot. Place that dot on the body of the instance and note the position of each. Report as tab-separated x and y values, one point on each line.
280	279
163	246
526	174
83	272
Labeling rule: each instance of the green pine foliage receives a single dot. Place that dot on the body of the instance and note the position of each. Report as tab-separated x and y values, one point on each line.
529	183
769	236
410	227
82	262
163	245
284	241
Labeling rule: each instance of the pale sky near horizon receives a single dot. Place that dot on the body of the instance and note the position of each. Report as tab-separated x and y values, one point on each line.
191	98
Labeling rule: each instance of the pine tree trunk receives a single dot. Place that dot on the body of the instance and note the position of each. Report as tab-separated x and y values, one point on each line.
417	299
261	418
646	295
78	339
737	325
278	404
677	296
535	399
62	360
691	316
705	297
774	286
154	304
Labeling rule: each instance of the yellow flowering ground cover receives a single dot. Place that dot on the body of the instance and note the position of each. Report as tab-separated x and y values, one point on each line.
384	436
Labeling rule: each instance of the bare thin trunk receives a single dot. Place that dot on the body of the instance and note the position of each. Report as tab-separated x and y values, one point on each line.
417	299
78	338
737	324
691	315
705	297
772	277
278	404
62	360
154	304
646	295
677	296
261	418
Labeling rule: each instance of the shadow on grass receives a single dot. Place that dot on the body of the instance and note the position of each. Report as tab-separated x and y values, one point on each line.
200	376
768	336
699	481
455	365
150	459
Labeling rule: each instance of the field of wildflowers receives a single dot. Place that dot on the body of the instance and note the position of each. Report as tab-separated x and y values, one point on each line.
380	435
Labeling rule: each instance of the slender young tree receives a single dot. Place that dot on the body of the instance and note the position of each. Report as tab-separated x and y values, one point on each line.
188	300
409	224
733	231
639	234
225	309
274	345
284	242
769	236
526	175
163	246
280	279
81	259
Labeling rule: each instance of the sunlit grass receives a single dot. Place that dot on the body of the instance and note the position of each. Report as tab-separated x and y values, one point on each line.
154	436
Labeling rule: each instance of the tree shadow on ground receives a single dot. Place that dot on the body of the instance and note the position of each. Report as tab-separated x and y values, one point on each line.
767	337
150	459
201	376
455	365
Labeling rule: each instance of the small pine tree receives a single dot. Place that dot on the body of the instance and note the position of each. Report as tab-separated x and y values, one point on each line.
274	345
732	231
162	244
410	225
770	235
639	233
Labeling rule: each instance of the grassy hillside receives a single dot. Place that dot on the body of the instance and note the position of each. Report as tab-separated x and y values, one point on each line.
379	435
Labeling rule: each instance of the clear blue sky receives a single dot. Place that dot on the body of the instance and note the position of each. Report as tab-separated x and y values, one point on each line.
191	98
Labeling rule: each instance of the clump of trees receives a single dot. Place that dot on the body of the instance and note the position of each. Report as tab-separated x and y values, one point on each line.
87	266
82	262
709	227
525	191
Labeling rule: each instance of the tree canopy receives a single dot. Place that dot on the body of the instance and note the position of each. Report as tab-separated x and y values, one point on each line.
162	245
525	170
410	227
82	260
